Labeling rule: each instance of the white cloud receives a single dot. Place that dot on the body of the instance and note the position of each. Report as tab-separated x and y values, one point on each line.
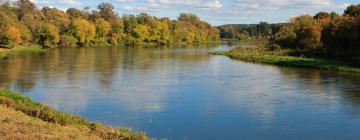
124	0
135	9
186	3
276	4
213	4
157	5
75	3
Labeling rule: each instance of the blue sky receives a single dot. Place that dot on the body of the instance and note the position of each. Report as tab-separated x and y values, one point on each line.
216	12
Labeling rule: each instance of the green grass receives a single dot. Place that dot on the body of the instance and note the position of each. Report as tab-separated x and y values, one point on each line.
280	58
18	102
6	53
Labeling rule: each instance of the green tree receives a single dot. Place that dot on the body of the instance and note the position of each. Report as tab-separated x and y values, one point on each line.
117	32
56	17
144	18
161	33
83	30
26	7
352	10
188	17
106	11
322	15
142	33
286	37
29	15
68	41
264	28
76	13
130	22
334	15
48	35
102	28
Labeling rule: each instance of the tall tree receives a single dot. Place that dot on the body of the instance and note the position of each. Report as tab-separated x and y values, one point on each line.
48	35
10	37
83	30
106	10
322	15
352	10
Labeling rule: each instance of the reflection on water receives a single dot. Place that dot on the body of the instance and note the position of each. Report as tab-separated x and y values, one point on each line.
178	93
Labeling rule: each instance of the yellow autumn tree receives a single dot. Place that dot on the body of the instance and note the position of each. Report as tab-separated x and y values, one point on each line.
83	30
142	33
184	32
102	28
48	35
12	37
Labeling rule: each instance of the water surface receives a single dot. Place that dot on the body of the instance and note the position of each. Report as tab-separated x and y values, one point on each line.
184	93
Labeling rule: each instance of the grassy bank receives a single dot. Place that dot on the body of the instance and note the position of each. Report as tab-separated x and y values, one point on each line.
21	118
19	50
280	58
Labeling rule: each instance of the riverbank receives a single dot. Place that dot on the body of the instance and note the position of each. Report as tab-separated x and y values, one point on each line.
281	58
35	48
6	53
22	118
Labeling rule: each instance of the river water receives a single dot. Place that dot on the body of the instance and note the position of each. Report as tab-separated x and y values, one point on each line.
181	93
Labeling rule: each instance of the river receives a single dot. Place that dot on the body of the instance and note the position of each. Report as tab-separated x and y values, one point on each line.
180	93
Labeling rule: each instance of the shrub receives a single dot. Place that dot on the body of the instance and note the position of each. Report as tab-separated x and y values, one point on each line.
68	41
48	35
286	36
274	47
11	37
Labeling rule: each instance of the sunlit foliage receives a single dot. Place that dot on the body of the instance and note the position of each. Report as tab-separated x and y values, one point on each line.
83	30
23	22
326	33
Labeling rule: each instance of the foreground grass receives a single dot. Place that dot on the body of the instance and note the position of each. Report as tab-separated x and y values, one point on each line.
280	58
19	50
21	118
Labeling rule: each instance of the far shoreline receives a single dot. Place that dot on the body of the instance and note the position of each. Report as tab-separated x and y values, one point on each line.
263	56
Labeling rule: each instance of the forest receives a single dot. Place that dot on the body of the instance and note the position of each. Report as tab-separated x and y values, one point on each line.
243	32
22	23
325	34
326	41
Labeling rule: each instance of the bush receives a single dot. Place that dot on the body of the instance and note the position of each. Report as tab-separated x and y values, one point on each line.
10	37
48	35
286	36
101	42
68	41
274	47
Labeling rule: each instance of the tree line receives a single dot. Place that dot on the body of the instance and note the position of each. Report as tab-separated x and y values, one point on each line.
263	30
325	33
23	23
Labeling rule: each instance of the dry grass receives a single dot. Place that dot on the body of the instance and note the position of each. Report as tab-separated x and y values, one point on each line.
19	126
21	118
